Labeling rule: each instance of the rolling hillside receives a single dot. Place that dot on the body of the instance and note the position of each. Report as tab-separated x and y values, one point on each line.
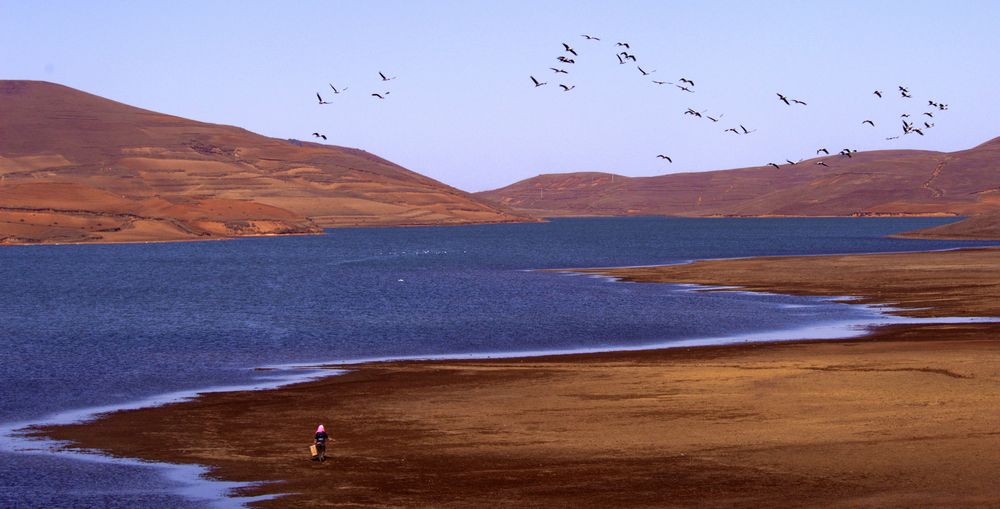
893	182
75	167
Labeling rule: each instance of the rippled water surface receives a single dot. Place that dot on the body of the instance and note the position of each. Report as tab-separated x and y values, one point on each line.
85	326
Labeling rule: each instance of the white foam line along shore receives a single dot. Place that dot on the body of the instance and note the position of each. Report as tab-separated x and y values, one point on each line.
194	481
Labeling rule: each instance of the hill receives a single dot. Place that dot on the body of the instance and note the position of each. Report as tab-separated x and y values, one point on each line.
75	167
889	182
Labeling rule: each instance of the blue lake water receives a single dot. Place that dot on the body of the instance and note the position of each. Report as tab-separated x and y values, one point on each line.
89	326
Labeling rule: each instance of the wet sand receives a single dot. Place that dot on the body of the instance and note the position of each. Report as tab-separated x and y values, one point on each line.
906	417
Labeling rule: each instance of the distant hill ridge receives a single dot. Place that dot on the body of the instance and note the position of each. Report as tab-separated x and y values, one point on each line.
886	182
75	167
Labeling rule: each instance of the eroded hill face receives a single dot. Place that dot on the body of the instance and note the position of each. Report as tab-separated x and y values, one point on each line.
897	182
75	167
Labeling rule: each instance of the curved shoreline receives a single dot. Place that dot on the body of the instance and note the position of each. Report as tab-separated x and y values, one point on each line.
405	409
194	480
573	358
198	482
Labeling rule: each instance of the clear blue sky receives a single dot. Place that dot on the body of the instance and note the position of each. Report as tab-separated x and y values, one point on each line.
463	109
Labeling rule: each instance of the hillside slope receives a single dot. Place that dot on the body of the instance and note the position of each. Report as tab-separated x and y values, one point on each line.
75	167
890	182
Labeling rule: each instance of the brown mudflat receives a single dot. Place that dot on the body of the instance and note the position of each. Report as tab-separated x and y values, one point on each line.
943	283
907	421
75	167
903	418
880	183
984	226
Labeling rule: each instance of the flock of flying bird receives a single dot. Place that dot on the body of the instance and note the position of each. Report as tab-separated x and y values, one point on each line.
337	91
624	56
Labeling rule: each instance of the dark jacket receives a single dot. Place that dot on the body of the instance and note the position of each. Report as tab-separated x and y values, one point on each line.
321	438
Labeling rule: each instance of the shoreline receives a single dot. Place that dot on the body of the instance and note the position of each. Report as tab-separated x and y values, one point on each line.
898	344
115	433
261	235
924	284
195	480
163	241
597	271
915	235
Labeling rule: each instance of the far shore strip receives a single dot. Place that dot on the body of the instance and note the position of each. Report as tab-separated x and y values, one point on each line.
905	417
962	282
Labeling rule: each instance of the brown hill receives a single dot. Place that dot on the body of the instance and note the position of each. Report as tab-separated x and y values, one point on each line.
75	167
890	182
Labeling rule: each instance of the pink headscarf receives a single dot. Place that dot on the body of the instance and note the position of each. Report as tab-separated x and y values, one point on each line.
320	429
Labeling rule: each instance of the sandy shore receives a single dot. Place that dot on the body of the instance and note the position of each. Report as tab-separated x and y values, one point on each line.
939	283
906	417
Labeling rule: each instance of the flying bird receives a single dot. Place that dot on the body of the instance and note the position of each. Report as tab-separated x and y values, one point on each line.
685	80
904	89
847	152
380	96
796	101
821	163
661	156
321	101
892	138
620	59
644	73
928	126
538	83
918	131
590	37
713	119
559	71
335	91
745	131
567	88
624	44
565	60
662	82
318	135
628	56
878	93
906	95
868	122
692	112
823	150
569	49
686	89
384	78
776	167
789	161
733	129
929	114
905	115
784	99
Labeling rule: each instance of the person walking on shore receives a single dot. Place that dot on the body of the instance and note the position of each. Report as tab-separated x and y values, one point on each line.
321	438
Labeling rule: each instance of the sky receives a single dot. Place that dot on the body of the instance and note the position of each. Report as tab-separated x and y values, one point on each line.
463	110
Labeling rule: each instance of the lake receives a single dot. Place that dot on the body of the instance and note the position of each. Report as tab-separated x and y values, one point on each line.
93	326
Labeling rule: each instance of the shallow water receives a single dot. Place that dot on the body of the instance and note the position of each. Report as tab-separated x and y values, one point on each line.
87	326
